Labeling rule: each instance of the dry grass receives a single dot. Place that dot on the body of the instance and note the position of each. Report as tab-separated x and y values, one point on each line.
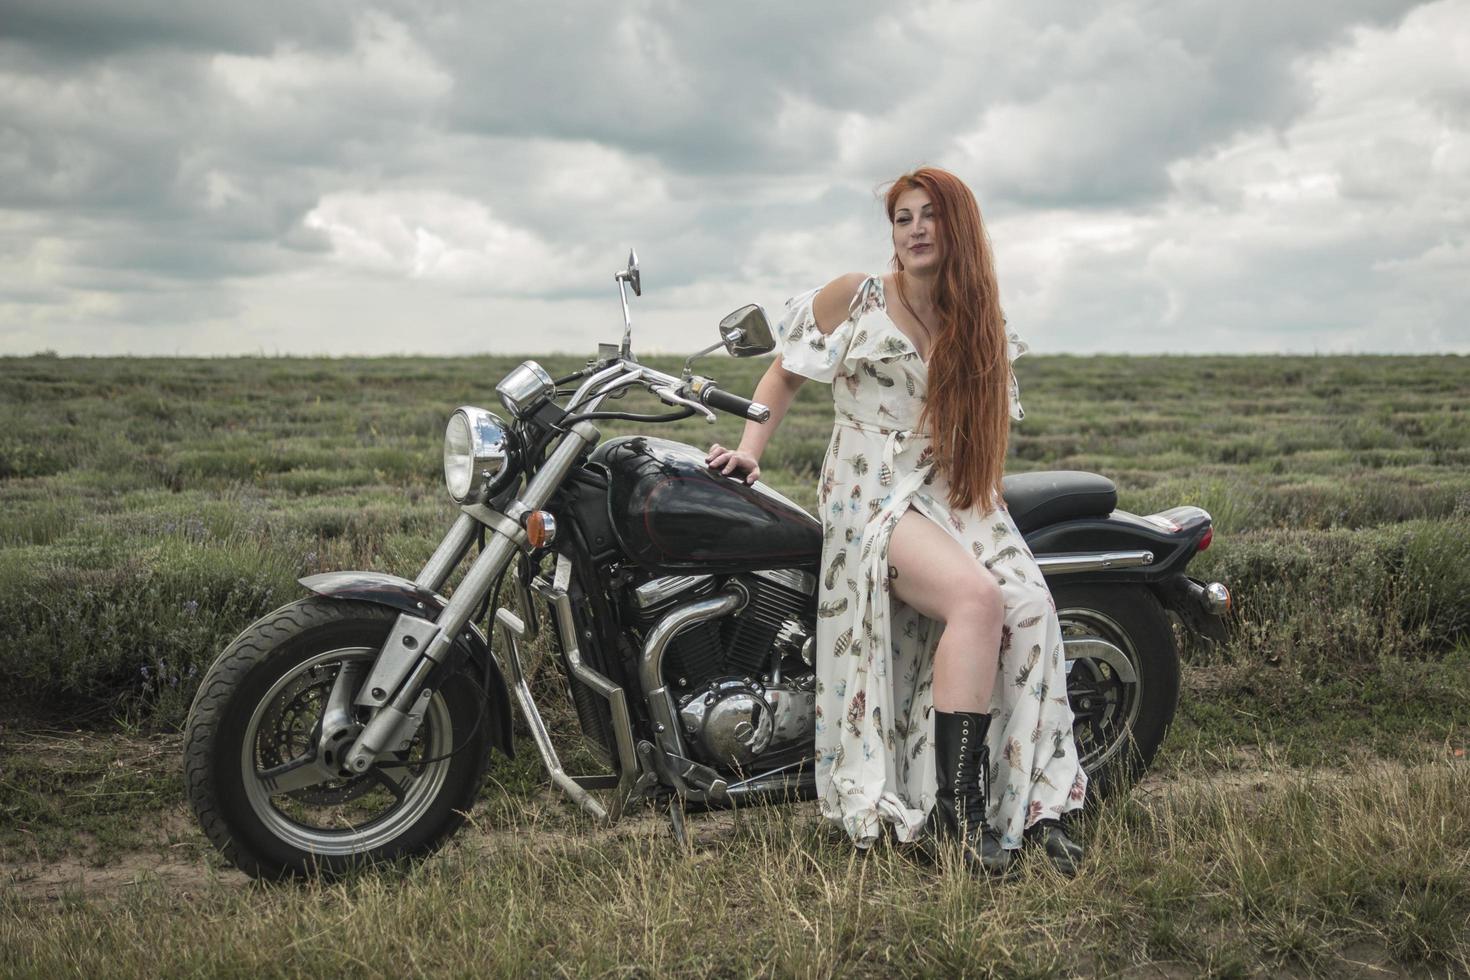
1299	872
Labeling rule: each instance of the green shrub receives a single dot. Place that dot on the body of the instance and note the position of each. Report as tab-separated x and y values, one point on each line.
1329	600
26	458
129	632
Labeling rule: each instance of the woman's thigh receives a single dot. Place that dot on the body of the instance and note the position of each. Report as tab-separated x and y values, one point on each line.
931	572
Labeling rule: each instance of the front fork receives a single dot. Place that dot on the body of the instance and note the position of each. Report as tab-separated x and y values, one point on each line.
417	645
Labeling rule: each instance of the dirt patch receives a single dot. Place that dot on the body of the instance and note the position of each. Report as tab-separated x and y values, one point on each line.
69	878
88	796
61	748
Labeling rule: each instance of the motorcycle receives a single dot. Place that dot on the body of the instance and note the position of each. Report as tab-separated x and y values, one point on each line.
356	724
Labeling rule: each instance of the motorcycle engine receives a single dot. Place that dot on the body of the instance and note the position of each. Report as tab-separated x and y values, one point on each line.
743	684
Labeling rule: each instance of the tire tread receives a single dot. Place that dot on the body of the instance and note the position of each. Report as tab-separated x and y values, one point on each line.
253	647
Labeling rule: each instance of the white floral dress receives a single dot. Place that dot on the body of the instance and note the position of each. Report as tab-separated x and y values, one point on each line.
875	653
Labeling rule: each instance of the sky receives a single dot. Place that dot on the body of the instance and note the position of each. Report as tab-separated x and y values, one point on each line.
443	176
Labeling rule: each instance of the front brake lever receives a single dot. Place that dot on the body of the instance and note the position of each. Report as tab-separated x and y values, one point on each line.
671	397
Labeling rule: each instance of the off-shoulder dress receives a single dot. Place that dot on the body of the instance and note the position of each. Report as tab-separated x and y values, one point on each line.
875	653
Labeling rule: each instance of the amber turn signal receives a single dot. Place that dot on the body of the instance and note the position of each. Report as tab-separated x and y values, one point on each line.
540	528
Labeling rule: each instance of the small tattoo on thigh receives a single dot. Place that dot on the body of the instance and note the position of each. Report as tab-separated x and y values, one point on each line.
892	572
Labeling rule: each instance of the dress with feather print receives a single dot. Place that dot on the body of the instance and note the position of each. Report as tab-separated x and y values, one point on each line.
875	653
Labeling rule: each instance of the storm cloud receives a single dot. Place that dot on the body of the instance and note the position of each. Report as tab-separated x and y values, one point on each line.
326	177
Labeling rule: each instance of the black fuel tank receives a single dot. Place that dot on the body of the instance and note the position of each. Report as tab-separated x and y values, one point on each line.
672	514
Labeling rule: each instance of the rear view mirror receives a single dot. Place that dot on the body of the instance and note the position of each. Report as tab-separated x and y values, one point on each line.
747	332
630	275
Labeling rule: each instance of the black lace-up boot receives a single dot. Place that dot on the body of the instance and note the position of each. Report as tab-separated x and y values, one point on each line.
962	767
1065	853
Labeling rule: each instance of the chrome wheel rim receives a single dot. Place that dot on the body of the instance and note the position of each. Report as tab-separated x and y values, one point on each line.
340	816
1105	704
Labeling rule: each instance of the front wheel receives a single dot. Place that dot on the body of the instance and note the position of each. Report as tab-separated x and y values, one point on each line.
273	799
1122	679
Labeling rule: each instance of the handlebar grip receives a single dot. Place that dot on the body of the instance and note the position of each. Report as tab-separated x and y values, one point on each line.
734	404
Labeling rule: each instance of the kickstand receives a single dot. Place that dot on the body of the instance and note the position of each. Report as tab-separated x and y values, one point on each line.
676	822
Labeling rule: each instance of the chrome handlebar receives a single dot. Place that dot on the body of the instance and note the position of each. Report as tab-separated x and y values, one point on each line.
623	373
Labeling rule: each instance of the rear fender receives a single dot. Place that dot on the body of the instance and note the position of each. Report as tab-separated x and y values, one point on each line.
1172	543
406	596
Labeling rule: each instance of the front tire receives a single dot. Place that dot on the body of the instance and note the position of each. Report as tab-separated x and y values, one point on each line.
258	715
1110	632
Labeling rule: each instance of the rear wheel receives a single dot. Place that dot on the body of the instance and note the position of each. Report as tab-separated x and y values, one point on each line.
269	790
1122	679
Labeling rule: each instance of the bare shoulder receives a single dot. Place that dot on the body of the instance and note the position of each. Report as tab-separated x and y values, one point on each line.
833	300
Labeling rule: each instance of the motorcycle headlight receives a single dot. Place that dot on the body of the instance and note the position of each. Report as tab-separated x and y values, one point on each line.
524	389
476	449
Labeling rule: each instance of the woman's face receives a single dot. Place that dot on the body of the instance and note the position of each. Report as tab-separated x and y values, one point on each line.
916	232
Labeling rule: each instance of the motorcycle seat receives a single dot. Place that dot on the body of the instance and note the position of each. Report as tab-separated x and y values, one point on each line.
1051	496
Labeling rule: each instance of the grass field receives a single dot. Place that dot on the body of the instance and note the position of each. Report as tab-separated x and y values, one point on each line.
1308	814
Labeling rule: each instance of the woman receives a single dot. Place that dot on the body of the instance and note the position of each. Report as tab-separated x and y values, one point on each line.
971	721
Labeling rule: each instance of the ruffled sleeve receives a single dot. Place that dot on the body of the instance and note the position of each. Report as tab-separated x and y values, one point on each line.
1016	347
804	349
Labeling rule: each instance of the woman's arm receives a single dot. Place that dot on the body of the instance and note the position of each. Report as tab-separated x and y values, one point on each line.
776	390
777	387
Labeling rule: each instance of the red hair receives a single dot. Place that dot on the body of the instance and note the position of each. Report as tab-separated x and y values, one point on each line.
968	406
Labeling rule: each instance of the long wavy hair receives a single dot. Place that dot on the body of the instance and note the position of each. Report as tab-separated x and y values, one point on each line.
968	406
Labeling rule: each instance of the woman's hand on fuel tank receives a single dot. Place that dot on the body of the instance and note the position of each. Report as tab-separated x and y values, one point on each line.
733	462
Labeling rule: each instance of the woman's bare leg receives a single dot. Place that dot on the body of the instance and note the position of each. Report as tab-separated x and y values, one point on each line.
931	572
